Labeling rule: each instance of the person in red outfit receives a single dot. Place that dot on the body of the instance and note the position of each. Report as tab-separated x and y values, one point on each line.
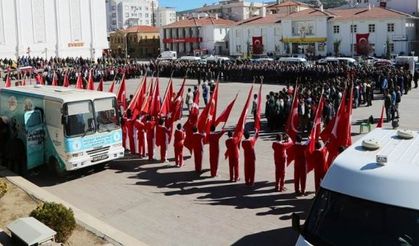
249	157
280	156
149	127
129	125
162	139
140	126
318	161
232	153
198	148
124	131
214	149
178	145
300	165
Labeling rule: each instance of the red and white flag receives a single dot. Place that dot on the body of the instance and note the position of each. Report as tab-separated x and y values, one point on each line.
238	132
8	81
90	82
167	100
121	96
292	122
66	82
100	86
79	83
223	117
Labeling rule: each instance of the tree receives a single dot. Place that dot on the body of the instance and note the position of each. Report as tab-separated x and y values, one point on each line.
336	47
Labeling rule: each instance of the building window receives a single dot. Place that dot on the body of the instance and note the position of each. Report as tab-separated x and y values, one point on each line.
146	15
353	28
391	46
336	29
390	27
371	28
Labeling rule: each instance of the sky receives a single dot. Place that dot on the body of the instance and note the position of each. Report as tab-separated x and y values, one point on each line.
189	4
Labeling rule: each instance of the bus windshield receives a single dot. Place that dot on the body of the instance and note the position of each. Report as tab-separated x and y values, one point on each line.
106	114
80	120
338	219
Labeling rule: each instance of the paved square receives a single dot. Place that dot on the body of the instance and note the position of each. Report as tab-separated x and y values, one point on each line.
163	205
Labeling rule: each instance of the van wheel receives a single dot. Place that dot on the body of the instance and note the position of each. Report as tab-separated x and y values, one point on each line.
54	168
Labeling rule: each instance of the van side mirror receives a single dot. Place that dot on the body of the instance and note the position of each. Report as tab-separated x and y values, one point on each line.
64	119
296	225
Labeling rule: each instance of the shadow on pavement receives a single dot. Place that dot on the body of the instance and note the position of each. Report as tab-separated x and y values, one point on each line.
283	237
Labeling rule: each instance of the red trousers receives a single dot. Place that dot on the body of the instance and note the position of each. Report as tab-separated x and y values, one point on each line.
179	156
141	145
150	148
300	175
249	171
213	158
198	152
280	174
163	151
131	141
234	168
124	137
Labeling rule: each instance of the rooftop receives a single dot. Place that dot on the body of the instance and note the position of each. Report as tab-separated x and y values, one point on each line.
204	21
142	29
285	4
366	13
259	20
356	173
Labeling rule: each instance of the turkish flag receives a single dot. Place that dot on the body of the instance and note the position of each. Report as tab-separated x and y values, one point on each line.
66	82
238	132
177	103
121	96
381	120
79	83
54	80
90	83
257	44
258	109
167	100
292	121
100	86
226	113
208	112
8	82
361	41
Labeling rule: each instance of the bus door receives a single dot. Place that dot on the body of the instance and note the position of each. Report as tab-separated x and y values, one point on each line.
35	138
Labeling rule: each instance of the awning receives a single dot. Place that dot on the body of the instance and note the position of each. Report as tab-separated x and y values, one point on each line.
305	40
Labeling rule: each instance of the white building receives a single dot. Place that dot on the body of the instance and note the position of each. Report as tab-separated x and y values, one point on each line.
62	28
407	6
196	35
122	14
316	31
227	9
165	16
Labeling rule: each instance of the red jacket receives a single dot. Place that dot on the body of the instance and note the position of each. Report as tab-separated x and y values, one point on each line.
179	138
280	150
232	148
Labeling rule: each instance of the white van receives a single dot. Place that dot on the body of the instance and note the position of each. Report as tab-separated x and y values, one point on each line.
167	55
369	196
339	60
294	60
190	58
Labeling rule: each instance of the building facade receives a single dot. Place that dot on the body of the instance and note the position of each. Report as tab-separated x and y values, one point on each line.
165	16
196	35
318	32
61	28
235	10
122	14
135	42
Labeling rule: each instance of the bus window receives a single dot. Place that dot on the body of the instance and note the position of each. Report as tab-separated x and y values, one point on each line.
106	114
80	119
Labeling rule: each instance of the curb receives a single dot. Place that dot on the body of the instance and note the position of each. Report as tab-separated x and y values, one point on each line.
87	221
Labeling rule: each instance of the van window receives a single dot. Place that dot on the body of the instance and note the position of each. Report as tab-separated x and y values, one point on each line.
80	120
106	114
53	115
338	219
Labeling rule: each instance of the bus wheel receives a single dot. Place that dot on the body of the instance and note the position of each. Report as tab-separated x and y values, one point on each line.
54	168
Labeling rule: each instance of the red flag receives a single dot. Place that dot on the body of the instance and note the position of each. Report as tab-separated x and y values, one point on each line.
238	132
146	107
54	80
8	81
79	83
316	123
23	82
177	103
137	100
257	44
258	109
206	116
381	120
156	105
39	79
112	87
167	100
121	96
90	83
100	86
66	82
314	132
226	113
292	121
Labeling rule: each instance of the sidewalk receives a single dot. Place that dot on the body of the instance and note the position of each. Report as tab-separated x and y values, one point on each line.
85	220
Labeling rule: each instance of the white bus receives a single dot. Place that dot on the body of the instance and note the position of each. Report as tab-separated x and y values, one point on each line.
66	128
369	196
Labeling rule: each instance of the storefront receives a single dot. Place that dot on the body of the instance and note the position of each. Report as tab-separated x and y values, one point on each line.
312	46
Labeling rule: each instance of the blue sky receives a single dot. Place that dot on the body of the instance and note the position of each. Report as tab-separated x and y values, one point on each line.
189	4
